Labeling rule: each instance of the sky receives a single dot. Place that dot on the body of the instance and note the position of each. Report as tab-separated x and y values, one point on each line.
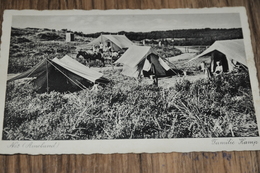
129	22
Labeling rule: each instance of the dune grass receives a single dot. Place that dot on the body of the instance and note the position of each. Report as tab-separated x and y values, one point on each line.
126	109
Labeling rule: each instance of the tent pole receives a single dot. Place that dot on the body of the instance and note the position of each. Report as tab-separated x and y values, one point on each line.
47	76
66	75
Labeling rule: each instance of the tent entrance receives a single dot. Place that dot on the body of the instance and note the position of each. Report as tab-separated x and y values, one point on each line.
57	81
218	56
155	67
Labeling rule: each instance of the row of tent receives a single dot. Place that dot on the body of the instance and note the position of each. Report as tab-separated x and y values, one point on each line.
67	74
135	59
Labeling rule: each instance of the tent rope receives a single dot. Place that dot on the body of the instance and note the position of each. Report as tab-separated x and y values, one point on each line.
35	68
65	75
47	76
171	64
83	86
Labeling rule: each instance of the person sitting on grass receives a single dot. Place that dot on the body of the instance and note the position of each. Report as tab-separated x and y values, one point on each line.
155	79
219	69
95	87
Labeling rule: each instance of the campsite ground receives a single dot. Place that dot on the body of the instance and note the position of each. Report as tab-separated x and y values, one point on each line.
178	108
175	62
164	82
171	81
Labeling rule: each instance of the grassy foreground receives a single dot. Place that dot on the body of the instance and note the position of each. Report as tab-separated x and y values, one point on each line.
127	109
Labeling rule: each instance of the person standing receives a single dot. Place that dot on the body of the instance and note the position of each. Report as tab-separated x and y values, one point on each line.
153	74
203	66
94	48
101	47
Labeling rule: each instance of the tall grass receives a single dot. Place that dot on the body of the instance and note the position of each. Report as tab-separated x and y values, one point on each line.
127	109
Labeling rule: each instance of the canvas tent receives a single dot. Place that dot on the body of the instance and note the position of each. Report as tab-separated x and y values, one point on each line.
138	60
65	74
117	42
229	52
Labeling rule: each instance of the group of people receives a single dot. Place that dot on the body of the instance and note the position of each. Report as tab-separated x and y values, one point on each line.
217	71
106	51
101	48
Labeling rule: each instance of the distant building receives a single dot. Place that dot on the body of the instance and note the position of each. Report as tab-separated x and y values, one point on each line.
70	37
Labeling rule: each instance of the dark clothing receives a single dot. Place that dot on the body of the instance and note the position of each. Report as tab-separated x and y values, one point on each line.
156	67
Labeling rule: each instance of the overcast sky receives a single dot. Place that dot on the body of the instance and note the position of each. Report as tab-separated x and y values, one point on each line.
114	23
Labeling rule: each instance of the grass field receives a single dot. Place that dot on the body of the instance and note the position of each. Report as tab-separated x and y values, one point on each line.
127	109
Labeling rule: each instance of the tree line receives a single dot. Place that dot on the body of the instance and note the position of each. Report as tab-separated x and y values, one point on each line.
205	36
181	33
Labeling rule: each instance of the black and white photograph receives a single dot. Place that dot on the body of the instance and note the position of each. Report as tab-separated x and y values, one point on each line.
127	76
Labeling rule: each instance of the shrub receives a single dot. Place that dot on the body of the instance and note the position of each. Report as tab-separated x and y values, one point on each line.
48	35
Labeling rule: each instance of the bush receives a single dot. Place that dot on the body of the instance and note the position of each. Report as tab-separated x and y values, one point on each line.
22	40
48	35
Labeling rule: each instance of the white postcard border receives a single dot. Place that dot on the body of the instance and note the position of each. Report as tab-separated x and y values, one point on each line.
128	145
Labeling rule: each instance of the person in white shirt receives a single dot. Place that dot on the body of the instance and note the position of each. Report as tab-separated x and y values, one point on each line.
219	69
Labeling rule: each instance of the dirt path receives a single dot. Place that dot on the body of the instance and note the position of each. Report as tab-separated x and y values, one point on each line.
165	82
184	57
101	69
170	82
187	49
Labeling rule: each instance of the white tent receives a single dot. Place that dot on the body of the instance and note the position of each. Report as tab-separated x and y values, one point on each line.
228	51
117	42
135	61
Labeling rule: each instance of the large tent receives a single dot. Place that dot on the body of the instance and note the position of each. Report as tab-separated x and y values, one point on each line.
229	52
117	42
65	74
138	60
